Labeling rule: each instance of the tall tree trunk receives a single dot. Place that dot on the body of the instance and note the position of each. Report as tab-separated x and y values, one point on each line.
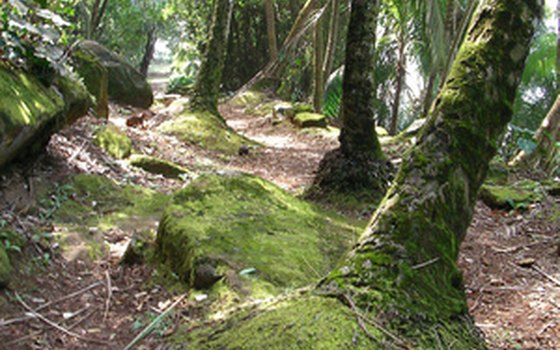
207	87
271	29
332	39
399	84
401	281
148	51
318	80
358	167
558	46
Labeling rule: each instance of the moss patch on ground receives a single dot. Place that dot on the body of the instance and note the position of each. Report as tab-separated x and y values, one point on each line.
516	195
114	141
248	99
87	206
310	120
205	130
247	225
158	166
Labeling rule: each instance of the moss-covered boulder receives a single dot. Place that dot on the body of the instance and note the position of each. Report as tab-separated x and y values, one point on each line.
157	166
31	112
96	79
511	196
310	120
203	129
126	85
5	268
247	225
114	141
248	99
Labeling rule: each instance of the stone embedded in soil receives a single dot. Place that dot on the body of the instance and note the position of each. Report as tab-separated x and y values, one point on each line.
157	166
310	120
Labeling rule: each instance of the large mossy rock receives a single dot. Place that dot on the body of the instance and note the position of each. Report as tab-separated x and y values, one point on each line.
203	129
247	225
5	268
96	79
31	112
126	85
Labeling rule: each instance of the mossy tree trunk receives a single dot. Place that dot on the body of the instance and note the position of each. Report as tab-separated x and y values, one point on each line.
406	260
401	280
207	87
358	166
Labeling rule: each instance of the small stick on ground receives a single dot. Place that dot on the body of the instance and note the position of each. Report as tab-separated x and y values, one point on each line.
109	295
57	326
151	326
546	275
425	264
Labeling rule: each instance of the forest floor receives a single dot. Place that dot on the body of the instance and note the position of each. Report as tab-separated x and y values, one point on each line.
509	259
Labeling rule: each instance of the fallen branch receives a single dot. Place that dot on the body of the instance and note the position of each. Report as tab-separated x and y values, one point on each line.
57	326
152	325
66	297
425	264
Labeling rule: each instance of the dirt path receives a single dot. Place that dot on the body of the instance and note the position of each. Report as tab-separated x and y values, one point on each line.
105	305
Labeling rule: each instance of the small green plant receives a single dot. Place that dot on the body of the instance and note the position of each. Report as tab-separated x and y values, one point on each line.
10	240
143	320
55	200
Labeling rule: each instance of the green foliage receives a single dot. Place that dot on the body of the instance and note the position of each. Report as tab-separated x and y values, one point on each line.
33	37
182	85
333	94
539	85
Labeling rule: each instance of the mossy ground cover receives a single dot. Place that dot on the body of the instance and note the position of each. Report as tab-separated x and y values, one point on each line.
158	166
114	141
247	225
88	205
205	130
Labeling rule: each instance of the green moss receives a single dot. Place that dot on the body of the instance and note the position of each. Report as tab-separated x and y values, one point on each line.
245	222
512	196
88	206
248	99
96	79
5	268
205	130
157	166
309	120
114	141
303	108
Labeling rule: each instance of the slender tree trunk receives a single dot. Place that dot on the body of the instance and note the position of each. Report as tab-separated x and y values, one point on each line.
399	84
318	80
332	39
401	282
97	13
545	155
148	51
207	87
358	167
271	29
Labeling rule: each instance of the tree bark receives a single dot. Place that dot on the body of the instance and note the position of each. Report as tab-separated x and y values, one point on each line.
271	29
399	82
401	281
558	45
207	87
358	167
318	79
332	39
148	51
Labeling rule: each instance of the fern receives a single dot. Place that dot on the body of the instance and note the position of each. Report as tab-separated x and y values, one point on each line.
333	94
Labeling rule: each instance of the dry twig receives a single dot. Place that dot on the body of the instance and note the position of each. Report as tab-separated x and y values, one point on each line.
109	295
